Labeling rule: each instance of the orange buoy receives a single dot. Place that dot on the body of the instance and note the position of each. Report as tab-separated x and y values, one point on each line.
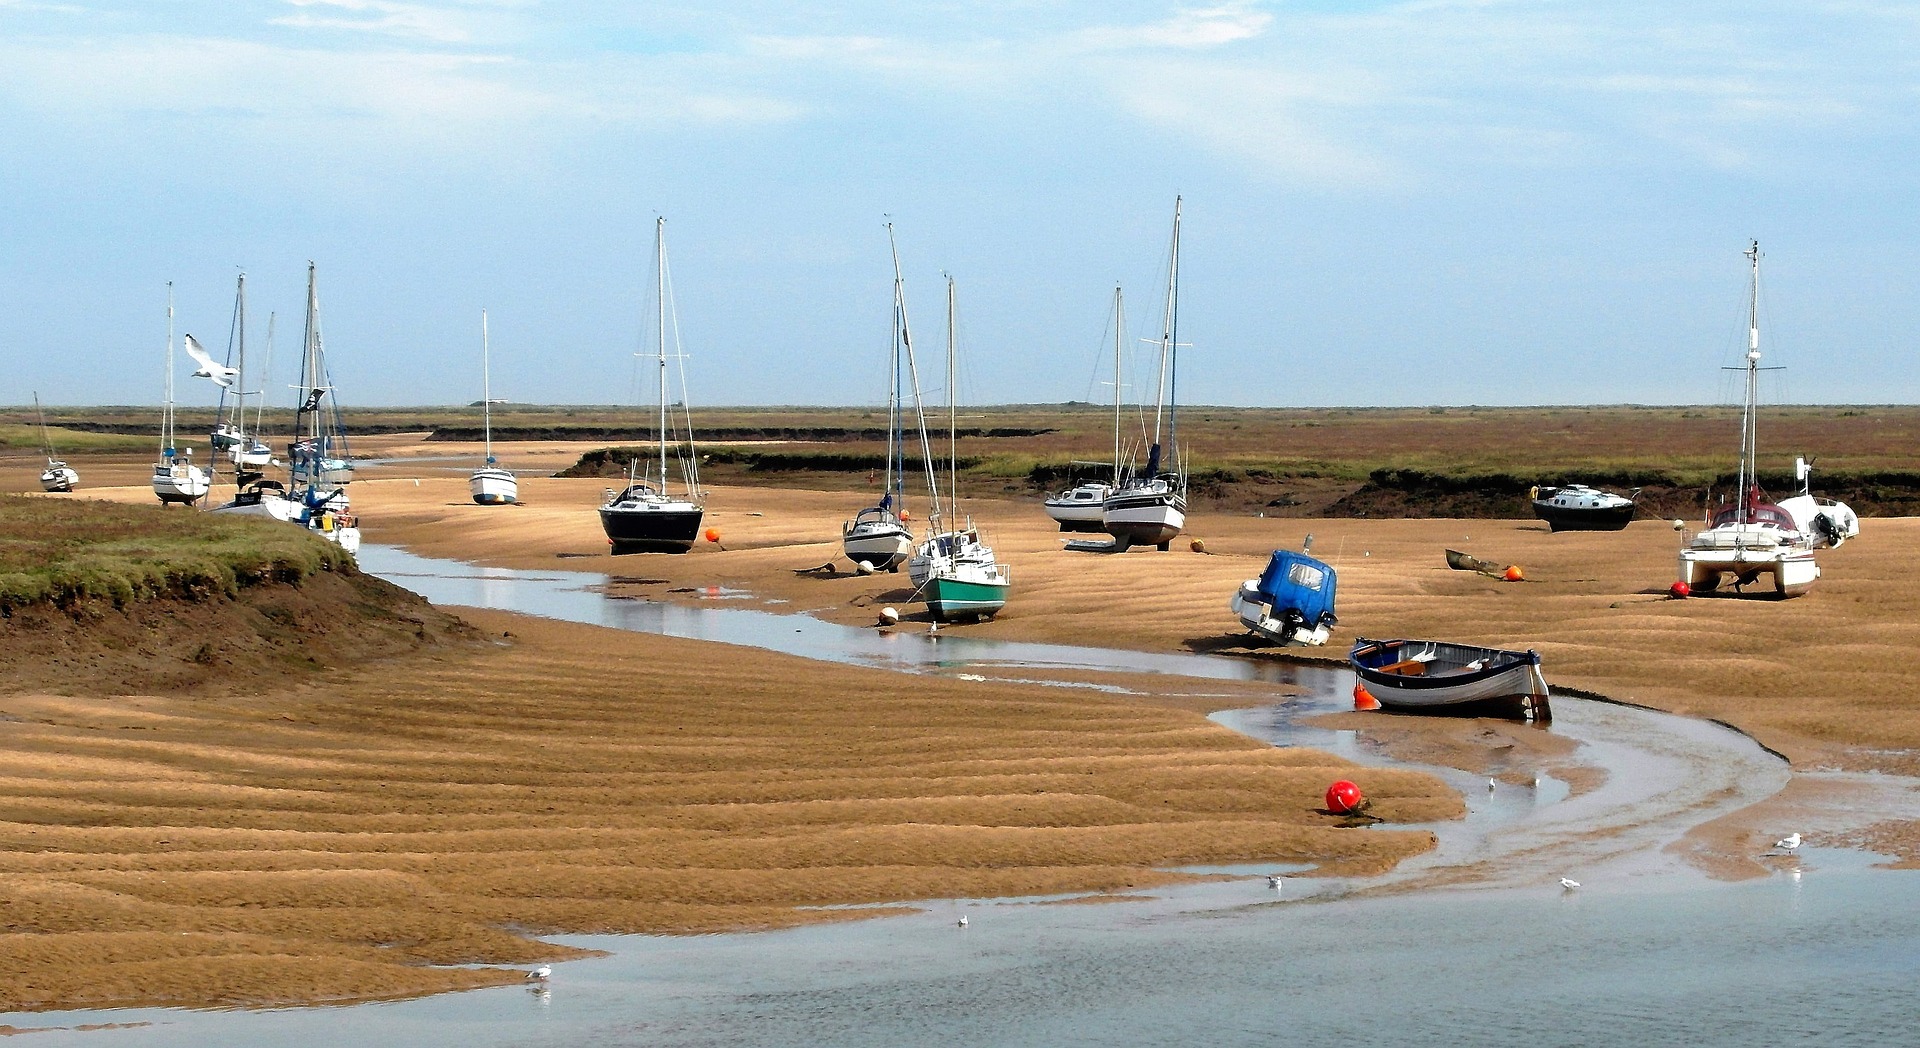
1513	573
1343	797
713	534
1363	699
1679	590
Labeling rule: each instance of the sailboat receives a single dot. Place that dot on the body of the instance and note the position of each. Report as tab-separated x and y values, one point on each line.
491	484
643	517
955	572
878	538
1150	507
58	476
319	468
175	478
230	436
1751	537
1082	507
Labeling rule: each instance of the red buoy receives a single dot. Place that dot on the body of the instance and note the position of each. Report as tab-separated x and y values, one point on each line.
1513	573
1679	590
713	534
1343	797
1363	699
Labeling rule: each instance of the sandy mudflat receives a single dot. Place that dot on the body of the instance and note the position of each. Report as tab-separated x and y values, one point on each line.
320	841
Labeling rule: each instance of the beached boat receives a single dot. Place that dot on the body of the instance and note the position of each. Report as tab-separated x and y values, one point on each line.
1577	507
492	484
1291	602
176	480
1751	539
1427	675
644	517
1082	506
955	573
319	463
878	537
58	476
1149	508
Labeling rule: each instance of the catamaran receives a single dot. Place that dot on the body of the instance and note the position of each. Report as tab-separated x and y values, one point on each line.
1149	507
492	484
956	573
1754	539
58	476
878	538
176	480
642	517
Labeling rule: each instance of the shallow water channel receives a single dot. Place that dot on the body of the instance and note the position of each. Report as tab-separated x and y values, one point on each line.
1644	952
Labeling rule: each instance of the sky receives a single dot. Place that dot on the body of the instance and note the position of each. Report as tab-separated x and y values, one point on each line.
1436	202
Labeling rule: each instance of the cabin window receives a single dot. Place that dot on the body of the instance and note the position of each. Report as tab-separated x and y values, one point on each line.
1306	575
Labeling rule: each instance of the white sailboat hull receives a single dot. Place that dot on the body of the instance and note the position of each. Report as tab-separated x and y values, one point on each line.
1144	517
493	486
180	483
1082	508
882	545
59	477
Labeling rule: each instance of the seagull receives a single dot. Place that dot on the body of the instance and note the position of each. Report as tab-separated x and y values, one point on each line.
1789	842
221	374
962	922
1273	881
1568	883
1490	784
541	972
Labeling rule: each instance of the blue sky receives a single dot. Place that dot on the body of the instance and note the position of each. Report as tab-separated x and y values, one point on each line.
1474	202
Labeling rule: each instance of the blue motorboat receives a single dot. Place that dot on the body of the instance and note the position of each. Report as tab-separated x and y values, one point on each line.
1291	602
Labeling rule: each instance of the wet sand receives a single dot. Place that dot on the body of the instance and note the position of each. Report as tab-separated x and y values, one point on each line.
321	843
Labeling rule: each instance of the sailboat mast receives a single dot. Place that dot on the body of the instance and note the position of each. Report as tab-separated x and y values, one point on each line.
239	417
260	409
896	480
306	424
1173	347
953	418
1749	479
166	413
486	388
913	374
46	443
1119	324
660	332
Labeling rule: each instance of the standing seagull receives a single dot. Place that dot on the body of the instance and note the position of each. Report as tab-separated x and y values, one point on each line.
1568	884
962	922
1788	843
540	973
1273	881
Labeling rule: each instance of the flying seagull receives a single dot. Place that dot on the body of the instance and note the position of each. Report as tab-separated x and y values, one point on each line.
221	374
1569	883
1789	842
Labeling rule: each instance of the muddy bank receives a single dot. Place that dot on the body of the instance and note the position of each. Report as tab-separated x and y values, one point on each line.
342	837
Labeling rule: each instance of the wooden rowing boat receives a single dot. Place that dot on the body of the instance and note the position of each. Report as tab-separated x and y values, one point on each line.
1429	675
